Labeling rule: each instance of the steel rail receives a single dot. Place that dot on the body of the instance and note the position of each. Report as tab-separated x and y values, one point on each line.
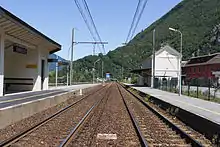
183	134
73	132
20	135
134	121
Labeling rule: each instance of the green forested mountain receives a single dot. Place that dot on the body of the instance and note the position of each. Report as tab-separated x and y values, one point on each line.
199	21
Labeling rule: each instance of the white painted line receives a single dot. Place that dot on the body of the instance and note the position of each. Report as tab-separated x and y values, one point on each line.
217	113
106	136
28	97
9	107
25	103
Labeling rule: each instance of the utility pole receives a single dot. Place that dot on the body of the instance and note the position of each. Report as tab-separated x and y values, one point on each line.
94	71
93	52
180	58
102	71
67	75
56	76
71	62
122	73
153	69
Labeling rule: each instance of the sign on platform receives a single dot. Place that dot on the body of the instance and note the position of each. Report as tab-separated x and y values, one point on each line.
107	75
20	50
31	66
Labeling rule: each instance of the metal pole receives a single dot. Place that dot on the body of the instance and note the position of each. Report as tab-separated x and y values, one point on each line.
181	55
71	62
102	71
122	73
153	70
93	52
93	76
93	81
94	70
67	75
56	76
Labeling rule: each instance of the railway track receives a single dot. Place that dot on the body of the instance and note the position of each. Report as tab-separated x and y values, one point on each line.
108	125
76	130
37	134
125	118
154	128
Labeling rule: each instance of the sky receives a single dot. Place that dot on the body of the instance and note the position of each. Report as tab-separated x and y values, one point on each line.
56	18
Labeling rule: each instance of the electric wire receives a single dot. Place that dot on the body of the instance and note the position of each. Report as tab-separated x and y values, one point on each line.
85	13
133	21
85	19
136	19
139	17
93	23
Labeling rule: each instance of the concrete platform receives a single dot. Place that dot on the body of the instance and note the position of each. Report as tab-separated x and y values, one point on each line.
202	108
17	107
27	97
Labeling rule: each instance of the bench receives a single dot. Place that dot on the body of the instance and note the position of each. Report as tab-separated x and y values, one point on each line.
17	81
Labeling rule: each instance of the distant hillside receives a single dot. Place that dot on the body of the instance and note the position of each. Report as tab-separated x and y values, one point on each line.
52	66
199	21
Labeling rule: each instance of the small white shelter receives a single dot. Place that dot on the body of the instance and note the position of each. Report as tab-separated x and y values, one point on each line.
167	67
23	55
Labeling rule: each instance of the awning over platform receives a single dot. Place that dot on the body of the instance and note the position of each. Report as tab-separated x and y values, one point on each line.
138	71
22	33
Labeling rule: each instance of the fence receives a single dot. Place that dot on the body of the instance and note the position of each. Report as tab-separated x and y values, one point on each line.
207	89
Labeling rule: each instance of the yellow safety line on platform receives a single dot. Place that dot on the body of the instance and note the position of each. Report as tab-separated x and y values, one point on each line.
17	99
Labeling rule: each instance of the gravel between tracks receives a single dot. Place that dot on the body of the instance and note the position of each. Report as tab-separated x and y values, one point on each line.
110	117
156	132
194	134
36	118
53	132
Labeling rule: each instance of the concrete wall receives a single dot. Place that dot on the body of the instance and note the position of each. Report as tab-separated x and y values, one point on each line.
13	114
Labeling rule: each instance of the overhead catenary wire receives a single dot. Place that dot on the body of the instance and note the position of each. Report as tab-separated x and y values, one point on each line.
136	19
85	19
93	23
88	19
133	21
139	17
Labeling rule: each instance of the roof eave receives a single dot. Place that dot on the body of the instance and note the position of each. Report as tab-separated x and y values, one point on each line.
6	12
56	50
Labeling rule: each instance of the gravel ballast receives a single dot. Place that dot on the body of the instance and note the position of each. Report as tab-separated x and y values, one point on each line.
38	117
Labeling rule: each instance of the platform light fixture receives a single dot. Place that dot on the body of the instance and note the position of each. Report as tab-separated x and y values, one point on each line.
94	70
180	64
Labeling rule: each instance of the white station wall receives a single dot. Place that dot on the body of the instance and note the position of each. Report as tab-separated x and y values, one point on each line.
15	64
166	65
16	67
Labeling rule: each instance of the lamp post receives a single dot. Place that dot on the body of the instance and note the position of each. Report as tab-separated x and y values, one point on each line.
94	70
181	50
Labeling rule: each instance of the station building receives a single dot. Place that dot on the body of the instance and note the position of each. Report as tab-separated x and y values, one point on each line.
202	70
167	68
24	55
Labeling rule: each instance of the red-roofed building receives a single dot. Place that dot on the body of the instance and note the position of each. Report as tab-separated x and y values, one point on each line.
202	68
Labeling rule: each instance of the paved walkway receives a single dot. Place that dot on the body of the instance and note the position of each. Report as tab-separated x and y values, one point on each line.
205	109
19	98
